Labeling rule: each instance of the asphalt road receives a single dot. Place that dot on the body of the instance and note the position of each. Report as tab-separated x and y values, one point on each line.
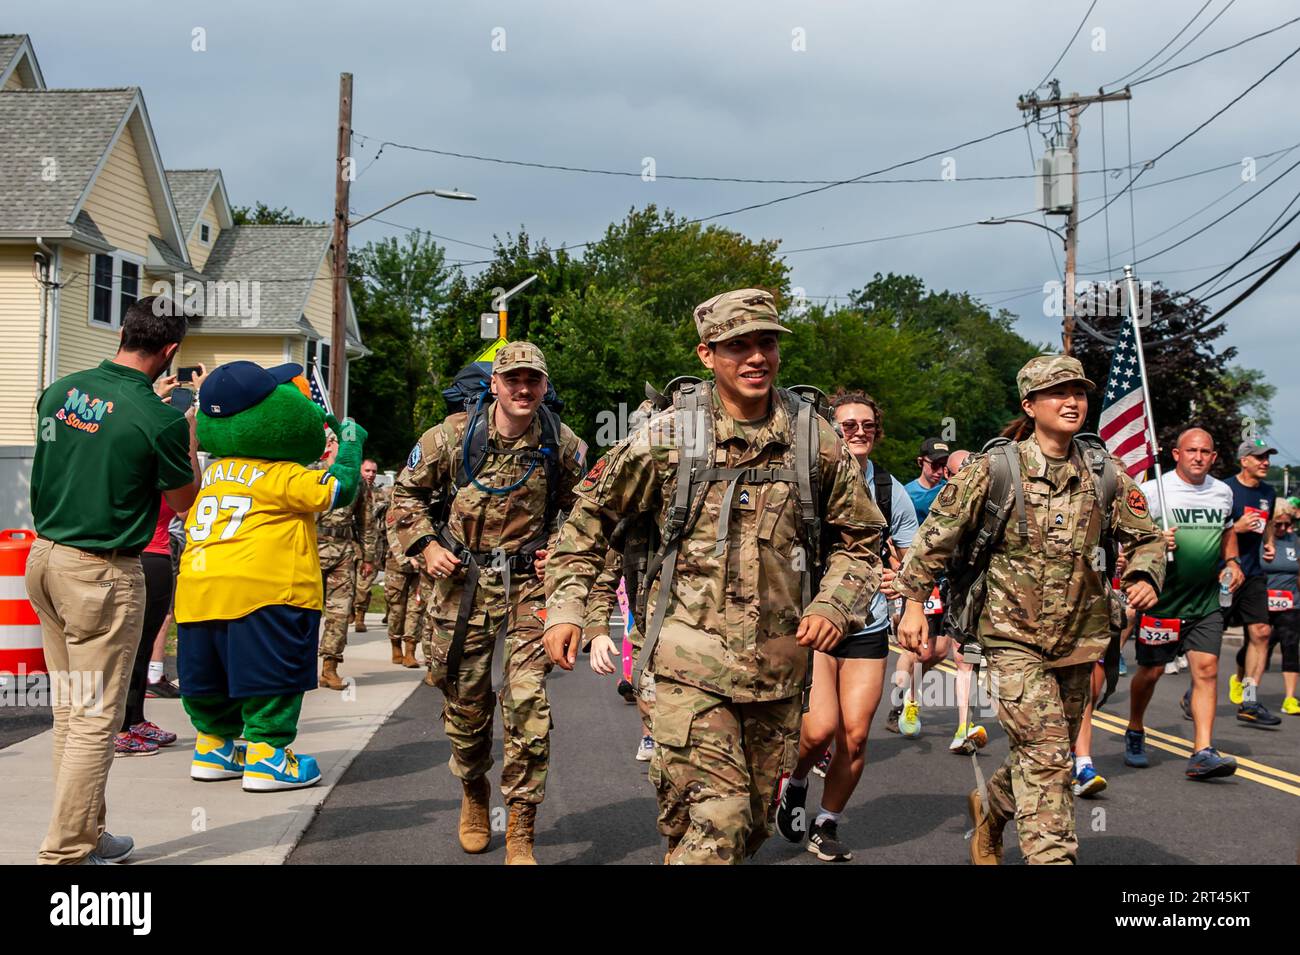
398	802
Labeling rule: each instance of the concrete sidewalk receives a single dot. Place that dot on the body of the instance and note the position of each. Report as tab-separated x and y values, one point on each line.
176	820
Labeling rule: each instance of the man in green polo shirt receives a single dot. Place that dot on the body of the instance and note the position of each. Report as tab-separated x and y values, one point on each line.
106	449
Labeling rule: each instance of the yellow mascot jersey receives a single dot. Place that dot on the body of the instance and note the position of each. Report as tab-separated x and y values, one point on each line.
250	539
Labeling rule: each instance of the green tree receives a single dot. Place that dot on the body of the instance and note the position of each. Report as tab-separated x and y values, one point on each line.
262	214
400	295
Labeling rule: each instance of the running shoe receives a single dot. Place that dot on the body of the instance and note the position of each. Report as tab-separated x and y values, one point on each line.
1291	706
823	842
1135	749
823	764
1171	668
1186	704
128	744
1236	692
1123	666
271	768
790	819
968	738
909	724
164	689
1256	714
645	749
113	848
625	690
891	721
153	733
1087	782
1181	660
1209	763
216	758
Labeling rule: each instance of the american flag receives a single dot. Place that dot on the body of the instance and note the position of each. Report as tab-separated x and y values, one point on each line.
319	393
1123	424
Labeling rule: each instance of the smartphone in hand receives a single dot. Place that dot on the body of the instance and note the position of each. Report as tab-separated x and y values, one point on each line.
187	373
181	398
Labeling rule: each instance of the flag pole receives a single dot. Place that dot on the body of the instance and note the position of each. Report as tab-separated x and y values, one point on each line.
1146	398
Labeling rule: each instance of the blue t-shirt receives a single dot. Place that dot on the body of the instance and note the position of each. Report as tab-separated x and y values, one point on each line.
922	497
1260	499
903	526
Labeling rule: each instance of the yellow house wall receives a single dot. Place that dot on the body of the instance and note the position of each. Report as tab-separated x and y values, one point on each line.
213	350
119	201
320	300
80	345
15	82
20	308
198	251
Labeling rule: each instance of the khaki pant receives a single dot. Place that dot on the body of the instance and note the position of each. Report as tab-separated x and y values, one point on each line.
91	610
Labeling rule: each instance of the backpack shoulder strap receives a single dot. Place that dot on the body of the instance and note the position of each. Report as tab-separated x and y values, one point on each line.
884	490
1006	491
474	444
550	448
1104	474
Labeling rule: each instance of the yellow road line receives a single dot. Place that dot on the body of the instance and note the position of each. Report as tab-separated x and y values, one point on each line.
1255	777
1241	760
1182	747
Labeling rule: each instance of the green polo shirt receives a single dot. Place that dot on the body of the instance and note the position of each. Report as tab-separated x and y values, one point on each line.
105	449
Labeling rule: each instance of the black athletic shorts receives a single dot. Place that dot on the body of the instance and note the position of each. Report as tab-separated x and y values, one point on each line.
1249	603
1204	635
863	646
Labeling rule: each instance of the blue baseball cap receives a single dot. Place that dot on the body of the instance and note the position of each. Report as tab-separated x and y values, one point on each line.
237	386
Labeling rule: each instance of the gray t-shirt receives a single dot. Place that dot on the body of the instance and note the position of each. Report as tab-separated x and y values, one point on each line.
1284	567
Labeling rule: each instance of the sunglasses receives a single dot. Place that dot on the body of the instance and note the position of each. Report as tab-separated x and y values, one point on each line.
852	427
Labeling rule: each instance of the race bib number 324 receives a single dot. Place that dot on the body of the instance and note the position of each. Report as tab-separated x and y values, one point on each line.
1157	631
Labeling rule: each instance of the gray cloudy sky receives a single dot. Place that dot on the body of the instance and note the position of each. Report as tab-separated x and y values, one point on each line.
716	89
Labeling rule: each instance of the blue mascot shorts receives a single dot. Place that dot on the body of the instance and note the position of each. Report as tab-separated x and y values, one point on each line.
269	652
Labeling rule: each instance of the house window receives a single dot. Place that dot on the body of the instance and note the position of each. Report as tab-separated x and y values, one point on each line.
116	288
318	354
205	233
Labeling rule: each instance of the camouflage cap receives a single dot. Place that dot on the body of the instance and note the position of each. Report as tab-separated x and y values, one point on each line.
1048	370
737	313
518	355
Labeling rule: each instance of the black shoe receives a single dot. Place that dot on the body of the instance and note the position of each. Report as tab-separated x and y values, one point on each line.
791	821
1187	705
164	689
1256	714
625	690
891	722
823	842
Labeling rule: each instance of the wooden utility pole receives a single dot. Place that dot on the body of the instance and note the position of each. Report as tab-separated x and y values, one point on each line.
1074	101
342	180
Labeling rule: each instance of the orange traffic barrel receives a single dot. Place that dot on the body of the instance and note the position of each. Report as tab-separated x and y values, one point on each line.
20	628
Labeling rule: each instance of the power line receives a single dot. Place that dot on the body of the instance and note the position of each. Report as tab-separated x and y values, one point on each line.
1219	112
1068	44
1167	45
1194	38
1201	59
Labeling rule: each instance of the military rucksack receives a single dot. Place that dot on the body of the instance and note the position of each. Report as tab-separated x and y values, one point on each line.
968	569
693	435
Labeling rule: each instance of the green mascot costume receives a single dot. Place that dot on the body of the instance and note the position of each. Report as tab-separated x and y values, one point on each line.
248	598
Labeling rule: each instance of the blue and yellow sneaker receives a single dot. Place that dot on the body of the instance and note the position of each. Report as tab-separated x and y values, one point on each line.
270	768
1087	782
216	758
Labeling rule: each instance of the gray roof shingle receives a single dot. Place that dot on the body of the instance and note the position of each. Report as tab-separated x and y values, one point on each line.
190	189
71	127
283	259
9	44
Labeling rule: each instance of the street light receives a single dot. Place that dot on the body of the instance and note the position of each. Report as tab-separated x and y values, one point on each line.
1067	322
339	325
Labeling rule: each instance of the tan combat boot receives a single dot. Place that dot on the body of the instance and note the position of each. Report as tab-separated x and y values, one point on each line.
329	675
408	659
397	649
359	622
428	678
519	834
474	830
986	840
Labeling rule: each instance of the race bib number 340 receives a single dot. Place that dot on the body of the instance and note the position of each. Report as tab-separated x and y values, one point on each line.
1156	631
1281	600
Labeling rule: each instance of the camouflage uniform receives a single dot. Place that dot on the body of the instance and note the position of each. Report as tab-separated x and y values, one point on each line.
378	504
483	522
728	671
338	532
1047	614
402	590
